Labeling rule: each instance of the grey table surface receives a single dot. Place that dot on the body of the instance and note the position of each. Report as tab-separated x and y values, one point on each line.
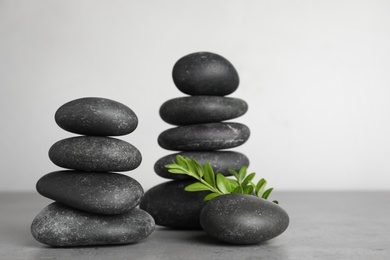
323	225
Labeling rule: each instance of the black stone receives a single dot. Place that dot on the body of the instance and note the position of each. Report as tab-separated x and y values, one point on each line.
171	206
220	161
243	219
204	137
96	116
95	153
97	192
205	73
61	226
201	109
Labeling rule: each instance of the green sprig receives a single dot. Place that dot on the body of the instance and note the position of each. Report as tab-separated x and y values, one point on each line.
218	184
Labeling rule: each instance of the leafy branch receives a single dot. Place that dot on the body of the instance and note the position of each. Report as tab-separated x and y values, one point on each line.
218	184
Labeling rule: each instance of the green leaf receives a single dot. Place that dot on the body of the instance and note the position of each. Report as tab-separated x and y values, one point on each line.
235	174
233	183
198	168
173	165
218	184
267	193
209	175
248	179
238	190
275	201
197	186
242	173
211	196
181	161
248	189
260	187
223	184
192	167
178	171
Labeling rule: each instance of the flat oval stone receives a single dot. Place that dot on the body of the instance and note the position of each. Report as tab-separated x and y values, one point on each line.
96	116
243	219
204	137
205	73
62	226
171	206
220	161
95	153
97	192
201	109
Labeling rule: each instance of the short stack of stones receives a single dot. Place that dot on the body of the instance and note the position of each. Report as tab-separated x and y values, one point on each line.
93	205
199	134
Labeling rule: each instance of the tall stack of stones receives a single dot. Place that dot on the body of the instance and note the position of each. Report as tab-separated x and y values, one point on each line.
93	205
200	134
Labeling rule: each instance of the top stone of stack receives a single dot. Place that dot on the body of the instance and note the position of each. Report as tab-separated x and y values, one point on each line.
96	116
205	73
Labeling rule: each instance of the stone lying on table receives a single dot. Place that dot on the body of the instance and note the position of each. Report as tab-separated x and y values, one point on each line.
95	153
171	206
205	73
62	226
243	219
97	192
204	137
220	161
201	109
96	116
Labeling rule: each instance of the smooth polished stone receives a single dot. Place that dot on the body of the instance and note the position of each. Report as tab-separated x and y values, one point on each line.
243	219
220	161
204	137
171	206
97	192
201	109
95	153
205	73
96	116
61	226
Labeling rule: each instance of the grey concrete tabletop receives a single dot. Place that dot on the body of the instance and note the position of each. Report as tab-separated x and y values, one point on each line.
323	225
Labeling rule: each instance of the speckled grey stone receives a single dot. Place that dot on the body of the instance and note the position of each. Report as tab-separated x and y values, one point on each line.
201	109
171	206
97	192
96	116
243	219
95	153
204	137
220	161
205	73
61	226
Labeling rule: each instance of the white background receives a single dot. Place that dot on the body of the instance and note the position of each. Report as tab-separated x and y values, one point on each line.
315	74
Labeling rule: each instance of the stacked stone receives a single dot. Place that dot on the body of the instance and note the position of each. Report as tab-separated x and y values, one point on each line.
93	205
200	134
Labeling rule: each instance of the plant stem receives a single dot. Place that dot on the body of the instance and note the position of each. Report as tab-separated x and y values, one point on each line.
210	187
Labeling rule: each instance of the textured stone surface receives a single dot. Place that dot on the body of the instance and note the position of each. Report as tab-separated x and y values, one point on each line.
201	109
62	226
171	206
98	192
205	73
96	116
243	219
221	161
204	137
95	153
